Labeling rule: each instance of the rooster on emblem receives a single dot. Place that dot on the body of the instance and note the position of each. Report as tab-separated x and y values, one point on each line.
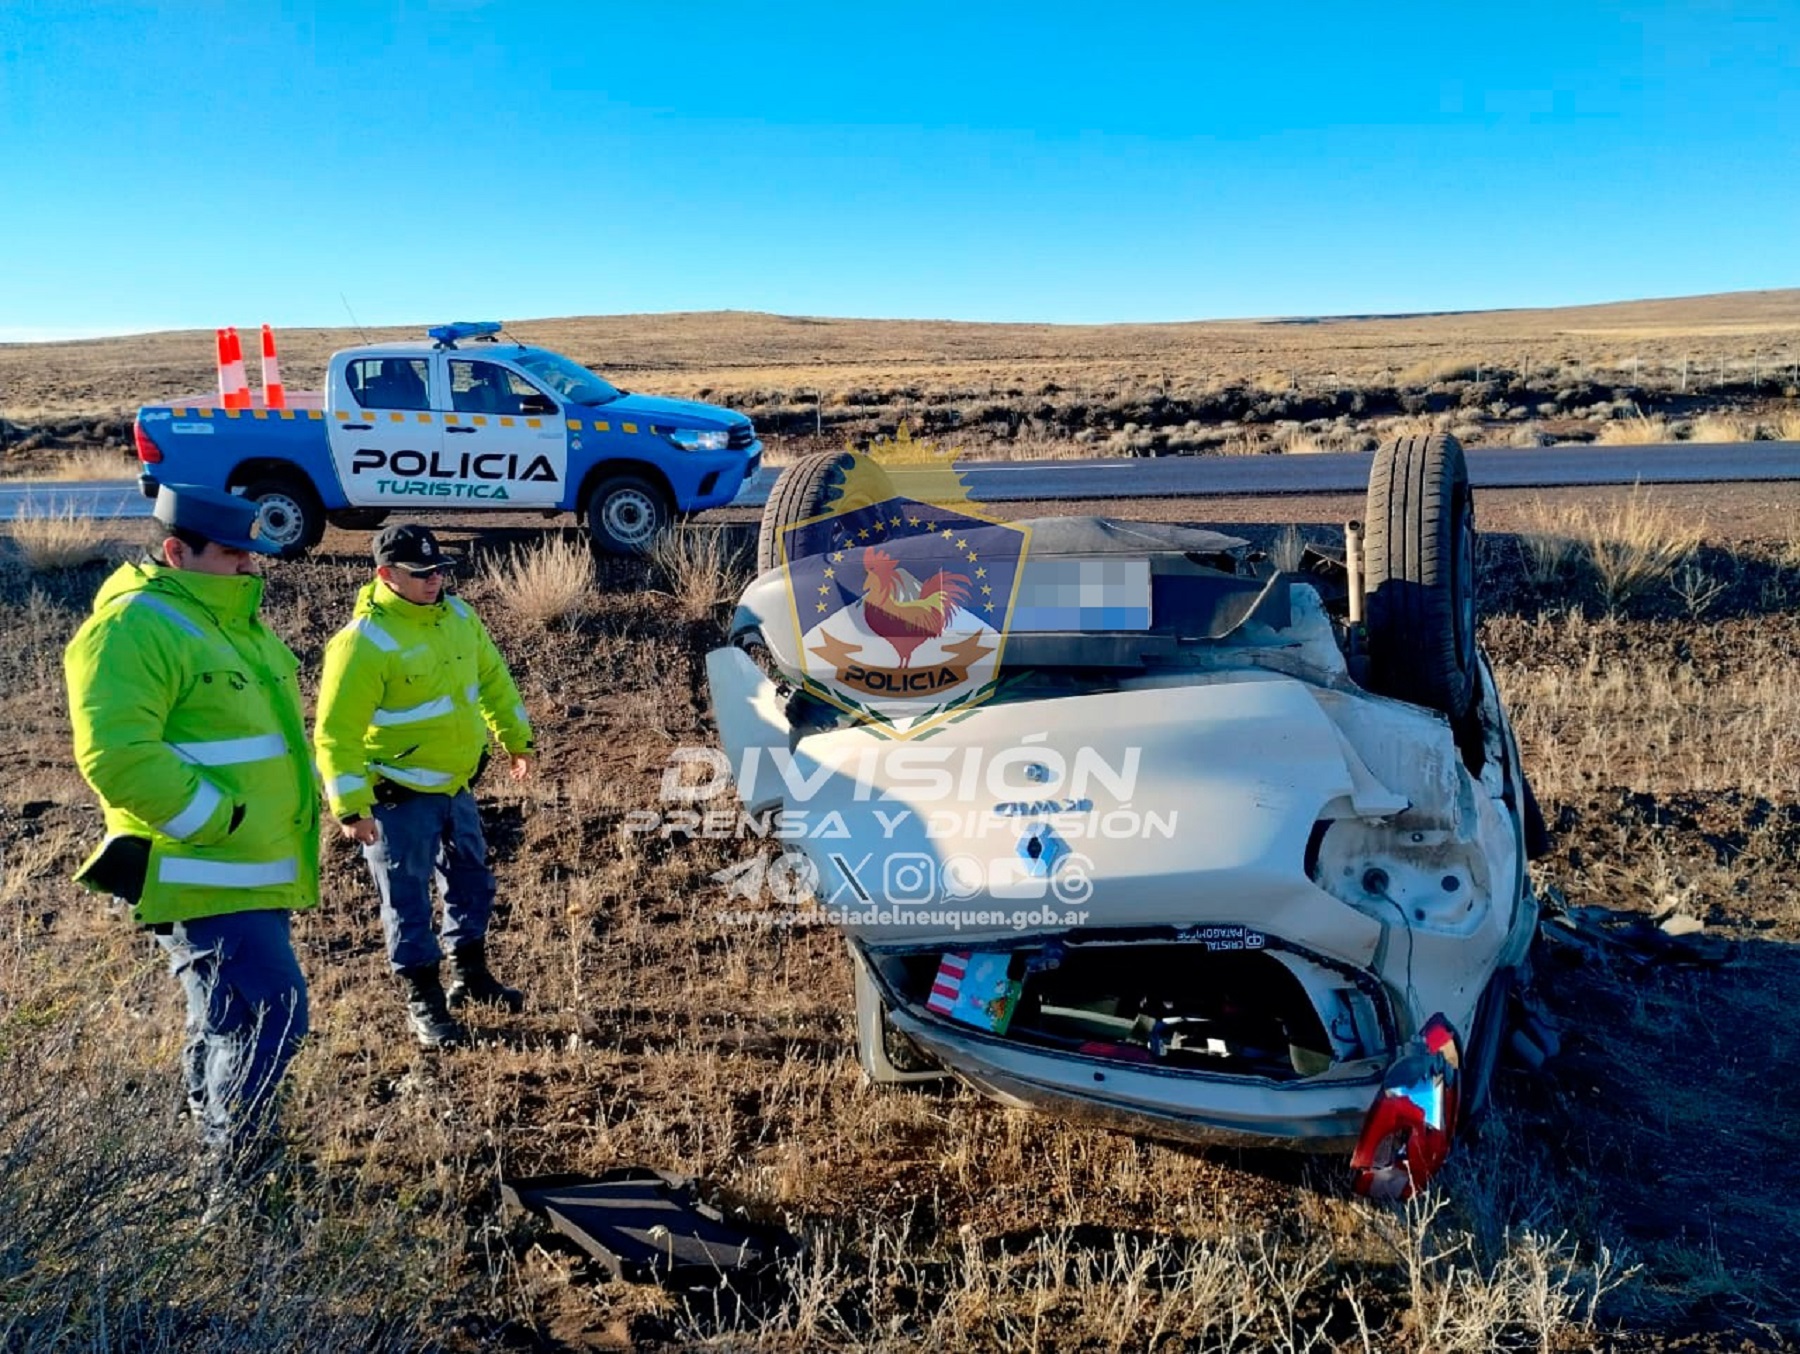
904	611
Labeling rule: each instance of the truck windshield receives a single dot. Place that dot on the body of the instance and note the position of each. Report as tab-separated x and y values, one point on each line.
570	380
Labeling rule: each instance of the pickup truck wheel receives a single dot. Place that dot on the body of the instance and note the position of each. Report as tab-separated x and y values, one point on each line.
625	515
806	489
1419	554
291	514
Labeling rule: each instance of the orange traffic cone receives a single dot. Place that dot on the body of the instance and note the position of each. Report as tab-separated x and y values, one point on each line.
274	397
232	382
224	351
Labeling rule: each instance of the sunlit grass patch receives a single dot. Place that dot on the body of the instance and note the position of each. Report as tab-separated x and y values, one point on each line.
549	583
48	538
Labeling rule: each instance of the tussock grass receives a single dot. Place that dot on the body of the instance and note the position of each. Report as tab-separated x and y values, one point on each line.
1722	428
1624	549
699	571
1636	544
1787	426
549	582
1635	431
50	539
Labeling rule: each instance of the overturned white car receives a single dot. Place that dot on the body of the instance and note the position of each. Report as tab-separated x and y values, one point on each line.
1127	824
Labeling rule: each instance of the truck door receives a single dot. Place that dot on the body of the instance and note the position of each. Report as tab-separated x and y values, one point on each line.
386	442
503	436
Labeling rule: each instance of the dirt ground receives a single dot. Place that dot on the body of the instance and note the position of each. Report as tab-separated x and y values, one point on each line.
1661	733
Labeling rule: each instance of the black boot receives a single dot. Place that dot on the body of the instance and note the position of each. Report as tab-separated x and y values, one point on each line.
427	1011
471	981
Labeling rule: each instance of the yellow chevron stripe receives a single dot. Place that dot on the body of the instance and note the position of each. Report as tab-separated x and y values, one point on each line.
602	426
574	425
629	427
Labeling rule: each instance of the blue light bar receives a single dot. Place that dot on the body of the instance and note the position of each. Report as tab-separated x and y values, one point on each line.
446	335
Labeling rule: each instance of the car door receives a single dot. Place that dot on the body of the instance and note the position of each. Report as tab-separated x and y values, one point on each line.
503	436
386	441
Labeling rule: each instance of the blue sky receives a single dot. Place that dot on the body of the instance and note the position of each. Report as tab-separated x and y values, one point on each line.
189	164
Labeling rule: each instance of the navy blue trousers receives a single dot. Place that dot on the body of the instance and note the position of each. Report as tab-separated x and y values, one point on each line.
424	838
247	1013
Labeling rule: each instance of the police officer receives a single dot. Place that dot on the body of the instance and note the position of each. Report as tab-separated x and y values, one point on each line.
188	725
412	689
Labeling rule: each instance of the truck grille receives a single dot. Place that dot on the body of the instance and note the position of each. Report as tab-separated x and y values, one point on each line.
743	436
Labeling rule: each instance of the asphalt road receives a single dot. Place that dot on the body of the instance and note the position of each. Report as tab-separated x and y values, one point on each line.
1181	476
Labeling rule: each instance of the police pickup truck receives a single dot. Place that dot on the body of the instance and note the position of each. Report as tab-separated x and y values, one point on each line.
436	426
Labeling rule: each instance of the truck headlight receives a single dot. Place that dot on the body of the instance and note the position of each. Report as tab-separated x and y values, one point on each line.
699	439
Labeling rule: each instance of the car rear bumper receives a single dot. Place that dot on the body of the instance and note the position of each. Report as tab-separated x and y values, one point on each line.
1317	1115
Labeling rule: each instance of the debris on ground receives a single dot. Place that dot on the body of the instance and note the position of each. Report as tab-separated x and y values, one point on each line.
649	1226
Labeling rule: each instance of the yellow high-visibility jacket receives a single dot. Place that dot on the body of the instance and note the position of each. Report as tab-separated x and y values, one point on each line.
409	694
187	723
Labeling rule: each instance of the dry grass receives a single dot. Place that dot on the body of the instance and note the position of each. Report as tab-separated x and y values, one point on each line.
1637	430
1722	428
549	582
83	467
1625	547
1636	543
49	539
1787	426
699	570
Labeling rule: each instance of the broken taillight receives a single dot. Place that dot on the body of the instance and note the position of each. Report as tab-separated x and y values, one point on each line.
147	451
1407	1135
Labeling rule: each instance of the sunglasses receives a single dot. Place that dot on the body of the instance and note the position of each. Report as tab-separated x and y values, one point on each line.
432	571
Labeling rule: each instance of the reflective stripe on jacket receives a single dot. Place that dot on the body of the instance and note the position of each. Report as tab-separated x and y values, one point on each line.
409	694
187	723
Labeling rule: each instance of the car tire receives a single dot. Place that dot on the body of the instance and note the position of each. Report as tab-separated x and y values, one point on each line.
290	513
805	490
627	513
1419	571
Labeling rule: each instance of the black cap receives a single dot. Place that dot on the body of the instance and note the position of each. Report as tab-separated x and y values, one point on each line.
222	518
411	547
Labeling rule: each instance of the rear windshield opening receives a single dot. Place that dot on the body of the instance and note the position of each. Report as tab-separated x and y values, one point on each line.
1176	1005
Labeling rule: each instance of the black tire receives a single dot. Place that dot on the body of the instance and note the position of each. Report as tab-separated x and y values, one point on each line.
1419	558
357	519
625	514
290	512
806	489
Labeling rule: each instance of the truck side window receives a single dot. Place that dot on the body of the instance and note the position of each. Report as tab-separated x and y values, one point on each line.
390	382
489	388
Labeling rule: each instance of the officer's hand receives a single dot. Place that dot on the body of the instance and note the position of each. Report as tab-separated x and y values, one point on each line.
364	831
521	766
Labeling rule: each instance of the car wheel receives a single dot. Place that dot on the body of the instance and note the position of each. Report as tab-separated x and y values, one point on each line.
806	489
289	513
626	514
1419	558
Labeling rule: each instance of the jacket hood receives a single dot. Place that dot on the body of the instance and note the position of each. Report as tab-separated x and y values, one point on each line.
227	596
